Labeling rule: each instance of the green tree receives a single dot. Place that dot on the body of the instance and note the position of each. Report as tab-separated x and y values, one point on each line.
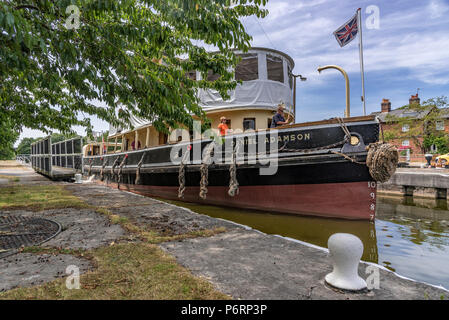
129	53
7	138
24	146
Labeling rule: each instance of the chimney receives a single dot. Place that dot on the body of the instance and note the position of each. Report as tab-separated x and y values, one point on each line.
385	105
414	99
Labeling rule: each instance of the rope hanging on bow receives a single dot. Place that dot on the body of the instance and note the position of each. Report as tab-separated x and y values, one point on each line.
204	169
138	169
120	170
181	174
233	182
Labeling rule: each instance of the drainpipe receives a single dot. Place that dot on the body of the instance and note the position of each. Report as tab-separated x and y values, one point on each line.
347	112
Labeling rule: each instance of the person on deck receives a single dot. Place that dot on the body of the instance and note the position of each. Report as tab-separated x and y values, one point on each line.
278	119
133	145
223	127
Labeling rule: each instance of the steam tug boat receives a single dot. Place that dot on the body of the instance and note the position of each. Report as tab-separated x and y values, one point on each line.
319	166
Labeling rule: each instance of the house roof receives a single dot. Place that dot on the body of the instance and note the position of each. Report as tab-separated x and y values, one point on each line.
405	113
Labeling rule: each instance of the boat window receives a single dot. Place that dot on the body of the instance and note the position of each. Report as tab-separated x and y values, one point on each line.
249	124
269	122
228	123
248	68
211	76
275	68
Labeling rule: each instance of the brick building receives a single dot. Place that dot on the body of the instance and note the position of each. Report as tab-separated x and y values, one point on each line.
408	134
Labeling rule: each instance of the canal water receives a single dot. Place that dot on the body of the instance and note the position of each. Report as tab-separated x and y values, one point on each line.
409	236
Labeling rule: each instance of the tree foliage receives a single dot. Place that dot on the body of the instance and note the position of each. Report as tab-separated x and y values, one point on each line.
24	146
7	138
129	53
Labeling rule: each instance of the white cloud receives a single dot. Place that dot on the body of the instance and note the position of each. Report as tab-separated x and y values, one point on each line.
413	38
437	8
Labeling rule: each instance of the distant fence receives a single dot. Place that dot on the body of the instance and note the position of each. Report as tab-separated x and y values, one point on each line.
41	156
24	158
52	158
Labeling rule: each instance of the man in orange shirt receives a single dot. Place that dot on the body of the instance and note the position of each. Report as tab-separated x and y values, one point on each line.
223	127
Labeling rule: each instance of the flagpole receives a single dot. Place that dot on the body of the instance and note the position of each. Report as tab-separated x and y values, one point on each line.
359	21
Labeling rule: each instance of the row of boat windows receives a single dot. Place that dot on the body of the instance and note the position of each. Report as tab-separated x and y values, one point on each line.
248	69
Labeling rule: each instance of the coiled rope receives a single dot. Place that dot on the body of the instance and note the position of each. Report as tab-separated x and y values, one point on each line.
181	174
382	160
204	169
233	182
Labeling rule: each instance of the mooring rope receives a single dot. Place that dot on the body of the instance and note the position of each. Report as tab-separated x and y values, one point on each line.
233	182
138	169
204	169
181	174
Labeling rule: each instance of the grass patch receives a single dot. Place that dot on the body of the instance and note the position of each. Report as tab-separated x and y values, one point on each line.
124	270
152	236
38	198
127	271
10	178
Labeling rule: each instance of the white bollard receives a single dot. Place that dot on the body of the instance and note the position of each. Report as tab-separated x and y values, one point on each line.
345	251
78	178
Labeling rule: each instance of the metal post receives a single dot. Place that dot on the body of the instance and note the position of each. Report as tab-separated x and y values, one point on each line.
347	112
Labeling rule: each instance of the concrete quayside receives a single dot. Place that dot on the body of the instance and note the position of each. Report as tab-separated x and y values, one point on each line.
241	262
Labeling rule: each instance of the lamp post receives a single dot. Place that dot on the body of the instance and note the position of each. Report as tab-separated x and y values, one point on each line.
347	112
294	90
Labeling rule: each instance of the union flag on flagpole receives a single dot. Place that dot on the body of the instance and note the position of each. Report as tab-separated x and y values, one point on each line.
347	32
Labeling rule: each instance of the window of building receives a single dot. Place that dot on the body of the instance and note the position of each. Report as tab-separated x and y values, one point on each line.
405	127
440	125
406	143
248	68
249	124
275	68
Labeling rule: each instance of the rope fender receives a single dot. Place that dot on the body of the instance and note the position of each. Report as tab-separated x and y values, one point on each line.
382	160
233	182
113	167
204	169
182	172
138	169
120	175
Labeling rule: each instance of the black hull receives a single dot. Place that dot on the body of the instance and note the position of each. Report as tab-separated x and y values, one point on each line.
301	162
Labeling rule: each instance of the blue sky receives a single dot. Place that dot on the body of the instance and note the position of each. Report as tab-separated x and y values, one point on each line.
409	50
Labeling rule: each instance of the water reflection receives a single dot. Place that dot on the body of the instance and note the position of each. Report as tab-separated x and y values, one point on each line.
409	236
309	229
